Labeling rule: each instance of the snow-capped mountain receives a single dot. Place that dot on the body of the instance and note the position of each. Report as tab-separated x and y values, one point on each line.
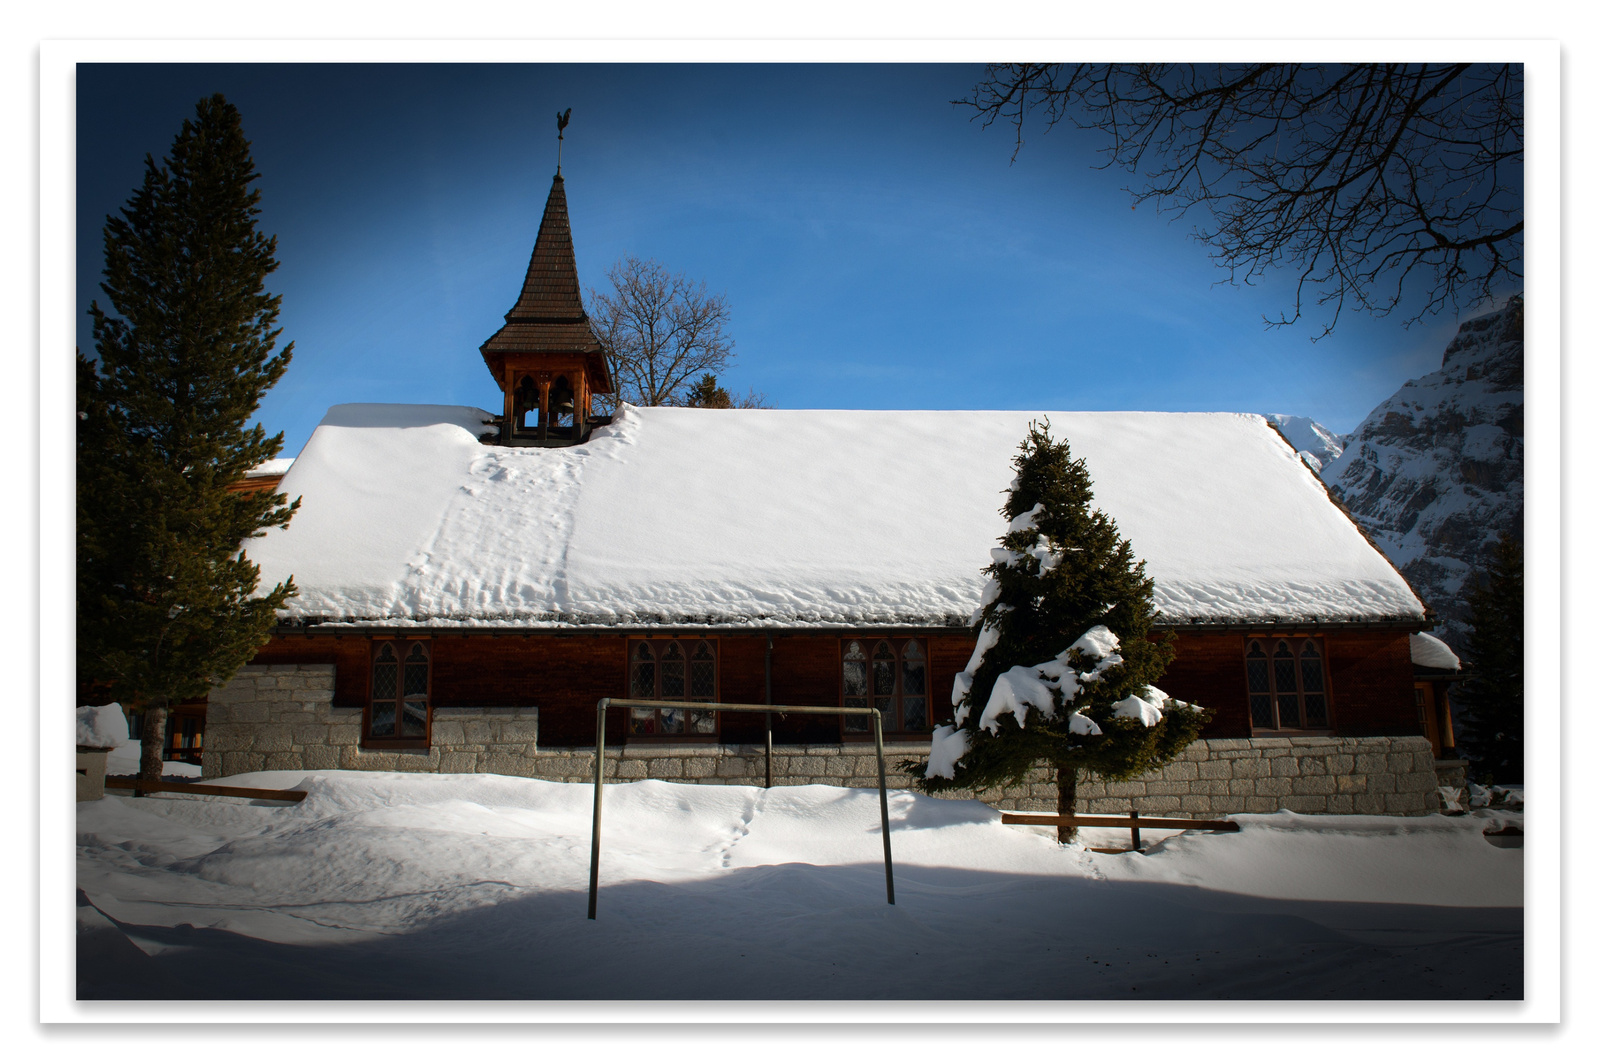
1434	474
1318	445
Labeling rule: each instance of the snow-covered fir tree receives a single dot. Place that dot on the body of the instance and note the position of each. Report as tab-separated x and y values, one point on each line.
1064	670
166	604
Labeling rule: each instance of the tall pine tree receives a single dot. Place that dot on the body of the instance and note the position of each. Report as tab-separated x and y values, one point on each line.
1492	695
165	605
1064	671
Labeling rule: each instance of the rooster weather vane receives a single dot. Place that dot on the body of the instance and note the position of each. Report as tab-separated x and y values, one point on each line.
561	125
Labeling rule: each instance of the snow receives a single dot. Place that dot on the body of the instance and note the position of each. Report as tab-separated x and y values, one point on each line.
106	727
403	886
1316	444
798	517
1430	652
102	726
270	467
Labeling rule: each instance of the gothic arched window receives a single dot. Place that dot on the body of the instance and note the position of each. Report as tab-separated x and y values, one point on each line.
893	680
1287	684
672	670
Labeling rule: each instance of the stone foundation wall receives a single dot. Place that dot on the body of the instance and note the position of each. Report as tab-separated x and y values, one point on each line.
282	717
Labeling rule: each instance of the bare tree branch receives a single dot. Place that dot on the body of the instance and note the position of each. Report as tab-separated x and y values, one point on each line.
660	330
1374	181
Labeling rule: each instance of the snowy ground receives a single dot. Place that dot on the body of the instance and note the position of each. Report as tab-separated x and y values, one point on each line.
382	886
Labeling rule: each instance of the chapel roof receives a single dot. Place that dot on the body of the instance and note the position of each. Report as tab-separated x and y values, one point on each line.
795	518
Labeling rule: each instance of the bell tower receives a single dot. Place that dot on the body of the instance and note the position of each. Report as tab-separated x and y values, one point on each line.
546	359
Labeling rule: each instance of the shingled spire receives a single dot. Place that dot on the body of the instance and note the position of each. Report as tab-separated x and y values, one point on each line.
546	358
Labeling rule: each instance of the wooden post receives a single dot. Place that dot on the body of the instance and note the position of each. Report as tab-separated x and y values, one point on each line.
1134	815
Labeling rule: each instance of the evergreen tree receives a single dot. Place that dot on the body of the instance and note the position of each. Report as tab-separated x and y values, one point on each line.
1064	671
165	606
1492	695
707	394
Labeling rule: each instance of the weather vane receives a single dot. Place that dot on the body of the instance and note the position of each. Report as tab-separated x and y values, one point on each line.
561	124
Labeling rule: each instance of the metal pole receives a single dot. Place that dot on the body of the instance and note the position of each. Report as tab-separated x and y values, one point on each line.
769	715
883	804
599	781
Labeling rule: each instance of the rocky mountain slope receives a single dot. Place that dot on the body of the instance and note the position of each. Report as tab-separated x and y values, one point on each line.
1318	445
1434	474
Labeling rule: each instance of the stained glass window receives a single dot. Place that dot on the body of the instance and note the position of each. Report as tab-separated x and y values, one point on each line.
893	680
398	707
672	670
1288	690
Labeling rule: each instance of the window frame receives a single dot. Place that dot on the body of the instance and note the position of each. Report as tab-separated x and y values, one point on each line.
403	645
858	727
658	646
1270	652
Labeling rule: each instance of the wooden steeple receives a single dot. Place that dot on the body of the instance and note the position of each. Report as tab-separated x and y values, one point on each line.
546	358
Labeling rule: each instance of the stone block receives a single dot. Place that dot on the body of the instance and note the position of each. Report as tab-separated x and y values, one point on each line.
1312	765
1283	767
807	766
1341	804
250	712
1276	786
1125	789
1266	805
665	768
1214	769
1417	782
1271	743
1182	770
1368	804
372	760
1371	763
344	734
1351	784
1341	764
1253	768
1412	804
273	738
1306	804
477	731
735	767
320	758
518	730
1197	803
1241	787
699	767
1307	785
1218	744
506	764
285	762
1381	783
1214	787
310	734
239	763
449	733
1157	805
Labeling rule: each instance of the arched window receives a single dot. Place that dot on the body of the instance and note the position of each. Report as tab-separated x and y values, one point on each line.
1287	684
672	670
893	680
398	706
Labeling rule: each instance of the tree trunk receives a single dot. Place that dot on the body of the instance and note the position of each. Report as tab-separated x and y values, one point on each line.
152	743
1066	801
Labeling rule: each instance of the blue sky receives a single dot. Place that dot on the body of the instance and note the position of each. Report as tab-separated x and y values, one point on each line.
878	249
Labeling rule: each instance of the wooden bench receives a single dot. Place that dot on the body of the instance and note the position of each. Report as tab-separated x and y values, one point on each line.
131	782
1132	822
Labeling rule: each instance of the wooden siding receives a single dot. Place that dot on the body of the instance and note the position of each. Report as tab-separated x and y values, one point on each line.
565	675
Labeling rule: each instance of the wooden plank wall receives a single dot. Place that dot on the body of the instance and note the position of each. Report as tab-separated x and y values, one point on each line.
565	675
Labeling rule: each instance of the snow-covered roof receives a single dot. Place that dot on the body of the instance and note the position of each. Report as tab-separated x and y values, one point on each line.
793	517
1430	652
270	467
